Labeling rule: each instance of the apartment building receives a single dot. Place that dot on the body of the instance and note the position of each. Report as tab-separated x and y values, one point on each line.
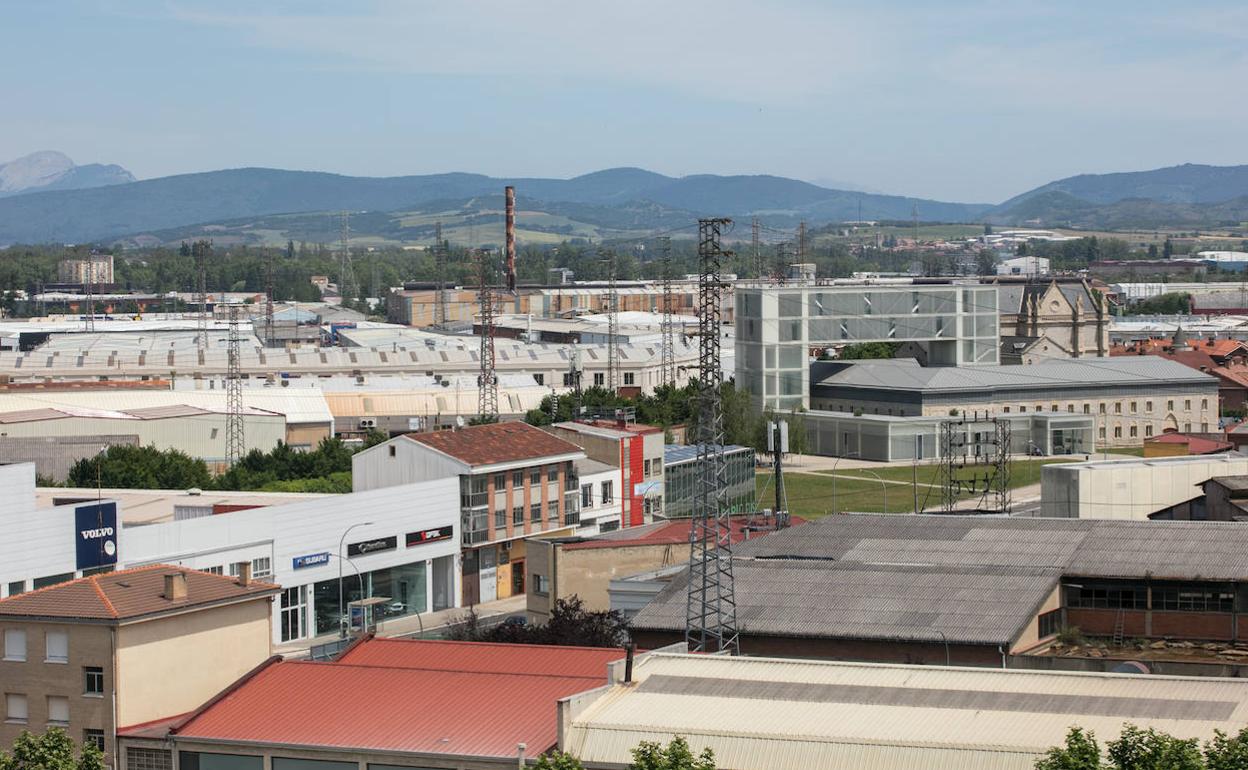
515	481
101	652
635	450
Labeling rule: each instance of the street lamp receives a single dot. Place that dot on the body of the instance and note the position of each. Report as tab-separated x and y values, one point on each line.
342	628
883	486
833	474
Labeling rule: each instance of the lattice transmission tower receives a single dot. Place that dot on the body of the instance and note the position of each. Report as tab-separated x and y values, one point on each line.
235	445
975	463
89	280
613	324
439	270
268	300
711	608
487	379
347	287
667	336
199	251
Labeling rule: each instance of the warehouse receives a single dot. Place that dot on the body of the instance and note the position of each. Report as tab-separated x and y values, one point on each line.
769	714
379	542
1131	398
1130	489
972	590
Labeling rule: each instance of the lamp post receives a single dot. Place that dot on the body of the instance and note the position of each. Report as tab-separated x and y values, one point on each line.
342	627
833	474
883	486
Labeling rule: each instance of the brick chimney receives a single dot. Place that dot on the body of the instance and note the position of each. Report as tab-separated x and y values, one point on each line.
244	573
175	586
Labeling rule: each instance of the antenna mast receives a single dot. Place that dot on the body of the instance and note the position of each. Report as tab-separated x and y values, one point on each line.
613	326
89	275
667	362
346	269
439	271
711	608
268	299
235	447
199	250
801	241
487	380
756	248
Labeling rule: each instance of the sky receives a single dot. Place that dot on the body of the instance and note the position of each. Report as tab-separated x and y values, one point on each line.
953	100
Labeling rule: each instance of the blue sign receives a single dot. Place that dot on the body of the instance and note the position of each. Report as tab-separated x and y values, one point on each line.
311	560
95	532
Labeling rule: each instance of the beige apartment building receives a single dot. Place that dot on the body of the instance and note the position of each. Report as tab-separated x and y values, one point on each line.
123	648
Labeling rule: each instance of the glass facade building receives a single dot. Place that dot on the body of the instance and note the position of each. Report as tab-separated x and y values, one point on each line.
777	326
681	480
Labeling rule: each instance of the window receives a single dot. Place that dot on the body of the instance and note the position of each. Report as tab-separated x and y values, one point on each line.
542	584
552	473
517	515
294	615
14	644
1101	408
1070	408
1050	623
1170	405
1148	430
600	379
93	680
517	479
57	643
1187	404
500	482
1117	431
587	495
535	476
1006	410
200	760
1133	407
629	378
1087	408
392	450
289	763
17	587
214	570
535	512
500	518
148	759
1132	432
1193	598
567	379
1148	406
645	468
1187	427
1204	403
539	378
1055	408
93	737
52	580
1204	427
1101	431
261	567
1106	596
1022	408
552	510
58	710
15	707
1117	407
607	495
1039	407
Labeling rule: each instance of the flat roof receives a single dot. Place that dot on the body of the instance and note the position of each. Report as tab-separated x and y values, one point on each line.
408	696
677	453
771	714
151	506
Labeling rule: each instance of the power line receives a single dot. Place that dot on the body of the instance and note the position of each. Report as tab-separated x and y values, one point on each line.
487	380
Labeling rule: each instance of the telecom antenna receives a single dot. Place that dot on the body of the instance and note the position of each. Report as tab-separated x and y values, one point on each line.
667	361
439	269
711	608
89	275
756	248
487	380
801	241
346	269
199	251
782	263
268	300
613	325
235	447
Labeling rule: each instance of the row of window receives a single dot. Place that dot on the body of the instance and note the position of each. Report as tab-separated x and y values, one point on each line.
17	711
606	495
55	644
1101	408
1179	598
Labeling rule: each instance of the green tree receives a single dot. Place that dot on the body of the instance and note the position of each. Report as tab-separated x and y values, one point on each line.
868	350
1227	753
676	755
1080	752
54	750
557	760
1138	749
797	433
146	467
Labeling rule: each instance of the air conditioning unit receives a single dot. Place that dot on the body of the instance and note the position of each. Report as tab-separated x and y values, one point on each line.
368	423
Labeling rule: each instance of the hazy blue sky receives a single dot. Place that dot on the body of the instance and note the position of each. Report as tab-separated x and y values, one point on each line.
972	101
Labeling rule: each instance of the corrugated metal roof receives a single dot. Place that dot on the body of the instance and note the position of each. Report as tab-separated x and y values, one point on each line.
449	698
496	443
299	405
766	714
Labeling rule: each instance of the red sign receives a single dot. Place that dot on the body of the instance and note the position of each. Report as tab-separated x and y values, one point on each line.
430	535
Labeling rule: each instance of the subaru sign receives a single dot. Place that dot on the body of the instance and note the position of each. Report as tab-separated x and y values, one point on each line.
311	560
95	533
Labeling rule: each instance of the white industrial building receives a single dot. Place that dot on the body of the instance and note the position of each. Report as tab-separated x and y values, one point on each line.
1129	489
400	543
1026	266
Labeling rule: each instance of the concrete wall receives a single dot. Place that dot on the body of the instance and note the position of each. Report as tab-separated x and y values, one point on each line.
587	572
172	664
55	456
1030	636
1129	489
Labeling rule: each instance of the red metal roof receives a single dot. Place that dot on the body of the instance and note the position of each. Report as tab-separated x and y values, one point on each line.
1196	445
431	697
670	532
494	443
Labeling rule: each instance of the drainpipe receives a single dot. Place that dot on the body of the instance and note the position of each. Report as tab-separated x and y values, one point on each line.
1001	649
112	638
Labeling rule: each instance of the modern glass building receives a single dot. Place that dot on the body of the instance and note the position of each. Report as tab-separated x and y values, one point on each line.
681	479
956	322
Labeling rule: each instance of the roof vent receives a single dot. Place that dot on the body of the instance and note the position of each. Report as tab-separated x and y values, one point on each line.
194	491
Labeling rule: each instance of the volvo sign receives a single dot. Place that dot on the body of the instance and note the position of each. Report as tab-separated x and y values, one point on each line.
95	535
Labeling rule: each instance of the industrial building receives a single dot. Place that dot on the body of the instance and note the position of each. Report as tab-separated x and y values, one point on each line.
1130	489
377	542
769	714
955	323
1129	398
513	481
397	704
681	469
972	590
104	650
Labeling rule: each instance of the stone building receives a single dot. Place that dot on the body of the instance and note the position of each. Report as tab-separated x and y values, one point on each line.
1059	318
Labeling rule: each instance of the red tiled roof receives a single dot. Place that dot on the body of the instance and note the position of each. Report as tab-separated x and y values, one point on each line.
1196	445
448	698
128	594
665	533
500	442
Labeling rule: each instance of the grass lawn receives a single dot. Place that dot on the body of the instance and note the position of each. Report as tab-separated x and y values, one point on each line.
1022	472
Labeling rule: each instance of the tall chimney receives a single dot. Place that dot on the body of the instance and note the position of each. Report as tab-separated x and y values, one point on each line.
510	193
175	586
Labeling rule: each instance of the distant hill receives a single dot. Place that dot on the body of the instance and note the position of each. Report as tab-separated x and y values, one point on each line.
172	202
1189	183
51	170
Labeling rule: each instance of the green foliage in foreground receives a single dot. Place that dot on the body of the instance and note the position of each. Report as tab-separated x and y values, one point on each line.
648	755
1150	749
54	750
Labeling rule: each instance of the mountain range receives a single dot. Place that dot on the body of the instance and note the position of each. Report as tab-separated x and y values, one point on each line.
47	201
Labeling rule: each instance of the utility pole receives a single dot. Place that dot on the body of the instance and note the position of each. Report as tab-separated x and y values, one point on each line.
782	263
89	275
778	445
613	325
756	249
667	360
346	270
487	380
439	269
268	300
801	241
199	251
235	446
711	605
